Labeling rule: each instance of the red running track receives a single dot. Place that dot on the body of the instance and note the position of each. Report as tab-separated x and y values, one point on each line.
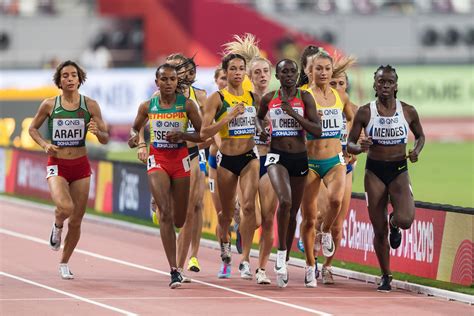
120	271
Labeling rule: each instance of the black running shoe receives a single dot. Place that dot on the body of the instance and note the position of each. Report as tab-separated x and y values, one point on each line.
176	279
384	285
395	235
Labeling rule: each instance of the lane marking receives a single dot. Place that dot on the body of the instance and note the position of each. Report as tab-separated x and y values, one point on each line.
138	266
74	296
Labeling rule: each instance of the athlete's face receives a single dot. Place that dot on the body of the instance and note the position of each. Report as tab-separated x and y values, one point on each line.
307	68
221	80
167	81
339	83
69	79
260	74
385	83
287	73
322	70
235	71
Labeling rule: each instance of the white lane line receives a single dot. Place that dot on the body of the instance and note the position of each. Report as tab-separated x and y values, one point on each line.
137	266
151	298
74	296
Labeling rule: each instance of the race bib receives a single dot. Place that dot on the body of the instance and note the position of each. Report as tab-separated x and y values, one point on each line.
68	132
159	130
211	185
283	124
272	159
331	123
243	124
186	164
52	171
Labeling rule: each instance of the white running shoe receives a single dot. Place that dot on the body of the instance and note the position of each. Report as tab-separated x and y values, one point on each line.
261	277
310	276
281	269
64	271
244	268
55	237
185	279
327	244
327	275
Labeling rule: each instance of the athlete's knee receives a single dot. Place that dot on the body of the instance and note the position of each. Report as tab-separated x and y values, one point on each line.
404	221
308	223
248	209
166	217
285	203
179	221
335	202
65	208
74	222
224	218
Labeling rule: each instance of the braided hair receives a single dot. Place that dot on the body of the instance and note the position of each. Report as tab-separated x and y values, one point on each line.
184	62
387	68
309	50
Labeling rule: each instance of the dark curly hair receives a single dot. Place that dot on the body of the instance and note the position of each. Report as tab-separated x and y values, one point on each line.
80	73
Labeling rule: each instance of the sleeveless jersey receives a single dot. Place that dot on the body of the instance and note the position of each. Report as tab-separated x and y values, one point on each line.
282	123
344	131
387	130
331	120
242	126
69	128
163	121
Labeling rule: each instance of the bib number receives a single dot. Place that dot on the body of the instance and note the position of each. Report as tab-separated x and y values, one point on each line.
52	171
272	159
151	163
186	164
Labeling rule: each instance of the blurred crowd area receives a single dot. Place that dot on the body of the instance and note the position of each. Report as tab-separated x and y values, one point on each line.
364	6
44	7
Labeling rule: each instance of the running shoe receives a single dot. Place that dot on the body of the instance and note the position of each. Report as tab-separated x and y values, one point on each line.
384	285
226	254
238	238
154	218
327	275
176	279
310	277
193	265
395	235
224	271
185	279
327	244
281	269
244	268
64	272
55	237
300	245
261	277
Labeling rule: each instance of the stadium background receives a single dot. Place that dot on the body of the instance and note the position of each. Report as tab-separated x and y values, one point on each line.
429	42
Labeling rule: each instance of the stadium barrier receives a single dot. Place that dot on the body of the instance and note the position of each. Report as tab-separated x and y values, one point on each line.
439	245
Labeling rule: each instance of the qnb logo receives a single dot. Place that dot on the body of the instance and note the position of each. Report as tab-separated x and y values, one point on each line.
330	112
388	120
278	112
159	123
129	195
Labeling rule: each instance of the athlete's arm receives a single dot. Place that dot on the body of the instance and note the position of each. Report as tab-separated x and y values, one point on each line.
43	112
347	107
138	124
211	107
201	97
261	113
193	114
417	130
360	121
313	123
96	125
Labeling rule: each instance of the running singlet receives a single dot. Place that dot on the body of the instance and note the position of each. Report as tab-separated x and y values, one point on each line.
344	131
192	96
69	128
163	121
387	130
242	126
331	120
282	123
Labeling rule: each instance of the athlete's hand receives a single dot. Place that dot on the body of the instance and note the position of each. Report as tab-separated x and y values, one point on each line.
174	137
92	127
133	140
142	154
412	155
263	136
51	149
286	107
365	143
236	110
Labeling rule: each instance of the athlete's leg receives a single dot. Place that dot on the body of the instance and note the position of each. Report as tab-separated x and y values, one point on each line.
297	190
197	226
336	228
268	205
214	189
335	182
79	190
309	207
160	187
280	180
402	201
227	183
59	188
377	198
248	186
185	234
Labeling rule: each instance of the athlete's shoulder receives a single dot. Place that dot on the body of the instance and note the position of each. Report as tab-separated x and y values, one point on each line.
267	97
364	109
89	101
409	109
